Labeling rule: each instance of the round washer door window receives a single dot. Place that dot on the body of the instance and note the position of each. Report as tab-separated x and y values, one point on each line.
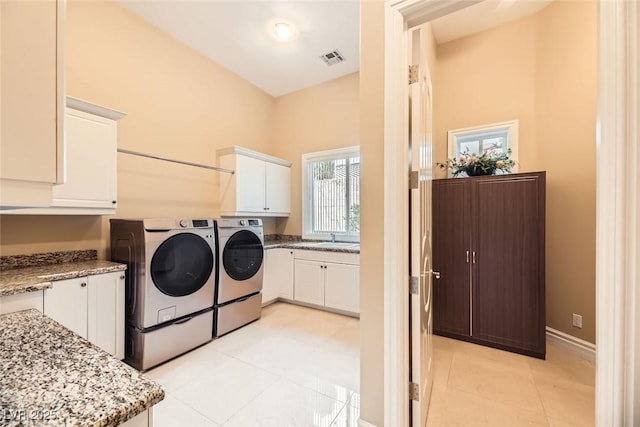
182	264
242	255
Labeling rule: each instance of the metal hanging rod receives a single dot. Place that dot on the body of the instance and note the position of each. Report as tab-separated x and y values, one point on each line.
150	156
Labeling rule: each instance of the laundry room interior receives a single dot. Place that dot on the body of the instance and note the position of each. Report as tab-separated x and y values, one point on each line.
225	206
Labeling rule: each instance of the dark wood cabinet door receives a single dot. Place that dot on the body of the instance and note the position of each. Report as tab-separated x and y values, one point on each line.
451	243
508	272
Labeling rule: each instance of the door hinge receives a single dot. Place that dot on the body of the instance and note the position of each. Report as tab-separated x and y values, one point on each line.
414	180
414	285
414	71
414	392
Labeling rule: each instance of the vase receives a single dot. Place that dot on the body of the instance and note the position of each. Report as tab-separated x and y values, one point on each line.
478	171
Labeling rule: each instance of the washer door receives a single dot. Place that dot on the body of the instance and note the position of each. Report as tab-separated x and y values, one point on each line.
242	255
181	265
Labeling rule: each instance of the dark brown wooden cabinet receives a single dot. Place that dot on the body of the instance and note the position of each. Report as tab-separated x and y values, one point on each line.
488	245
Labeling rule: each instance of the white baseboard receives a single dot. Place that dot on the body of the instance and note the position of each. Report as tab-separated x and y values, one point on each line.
578	346
363	423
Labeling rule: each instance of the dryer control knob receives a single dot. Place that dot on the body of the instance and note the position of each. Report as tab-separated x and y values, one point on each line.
184	223
243	222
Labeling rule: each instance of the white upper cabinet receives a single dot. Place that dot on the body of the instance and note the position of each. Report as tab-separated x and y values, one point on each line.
91	171
260	186
92	143
31	101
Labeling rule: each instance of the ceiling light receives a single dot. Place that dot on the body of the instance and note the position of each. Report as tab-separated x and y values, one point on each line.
283	31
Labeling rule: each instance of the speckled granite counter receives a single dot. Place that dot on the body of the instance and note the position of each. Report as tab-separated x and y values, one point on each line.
58	378
350	248
27	279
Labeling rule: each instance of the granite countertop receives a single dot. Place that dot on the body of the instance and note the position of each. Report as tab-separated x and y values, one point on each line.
343	247
51	376
28	279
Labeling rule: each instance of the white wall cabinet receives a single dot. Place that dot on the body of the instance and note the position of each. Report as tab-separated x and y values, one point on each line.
328	279
278	275
260	186
31	101
92	307
23	301
91	171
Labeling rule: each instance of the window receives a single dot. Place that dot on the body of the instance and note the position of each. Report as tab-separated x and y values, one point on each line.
491	139
331	194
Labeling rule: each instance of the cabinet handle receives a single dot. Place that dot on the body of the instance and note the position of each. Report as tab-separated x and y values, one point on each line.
474	257
436	274
114	202
122	277
467	257
83	284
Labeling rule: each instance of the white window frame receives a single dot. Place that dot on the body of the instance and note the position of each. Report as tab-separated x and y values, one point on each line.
511	126
306	193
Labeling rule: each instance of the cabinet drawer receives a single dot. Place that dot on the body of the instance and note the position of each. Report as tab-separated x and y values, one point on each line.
322	256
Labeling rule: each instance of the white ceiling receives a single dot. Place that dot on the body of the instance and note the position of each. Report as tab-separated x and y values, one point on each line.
235	33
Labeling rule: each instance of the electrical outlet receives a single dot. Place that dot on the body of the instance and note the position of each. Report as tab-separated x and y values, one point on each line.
577	320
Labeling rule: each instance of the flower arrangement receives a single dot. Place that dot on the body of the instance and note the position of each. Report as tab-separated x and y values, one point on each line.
474	165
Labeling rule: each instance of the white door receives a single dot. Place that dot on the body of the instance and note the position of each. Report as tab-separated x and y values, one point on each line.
91	162
66	303
278	188
308	283
342	287
250	184
105	312
420	230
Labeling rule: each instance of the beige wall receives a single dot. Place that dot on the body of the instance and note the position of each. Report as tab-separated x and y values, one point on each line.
179	105
372	208
540	70
488	78
319	118
566	93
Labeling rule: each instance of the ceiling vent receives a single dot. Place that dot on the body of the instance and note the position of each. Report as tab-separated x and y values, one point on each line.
332	57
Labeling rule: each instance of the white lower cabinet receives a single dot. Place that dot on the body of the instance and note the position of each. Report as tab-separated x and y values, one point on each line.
278	275
342	287
309	281
328	279
92	307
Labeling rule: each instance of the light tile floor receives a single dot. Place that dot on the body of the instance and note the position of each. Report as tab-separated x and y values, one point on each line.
300	367
294	367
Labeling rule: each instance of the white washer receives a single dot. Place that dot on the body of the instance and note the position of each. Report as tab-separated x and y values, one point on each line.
170	285
240	272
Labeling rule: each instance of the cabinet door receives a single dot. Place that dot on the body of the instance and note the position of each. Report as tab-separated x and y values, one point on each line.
342	287
31	101
278	190
91	162
508	281
309	282
270	283
105	312
66	303
250	184
278	274
451	256
284	261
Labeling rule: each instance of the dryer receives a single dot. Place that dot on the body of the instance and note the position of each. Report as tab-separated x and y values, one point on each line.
170	285
240	272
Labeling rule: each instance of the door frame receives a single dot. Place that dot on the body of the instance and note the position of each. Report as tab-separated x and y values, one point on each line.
617	204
